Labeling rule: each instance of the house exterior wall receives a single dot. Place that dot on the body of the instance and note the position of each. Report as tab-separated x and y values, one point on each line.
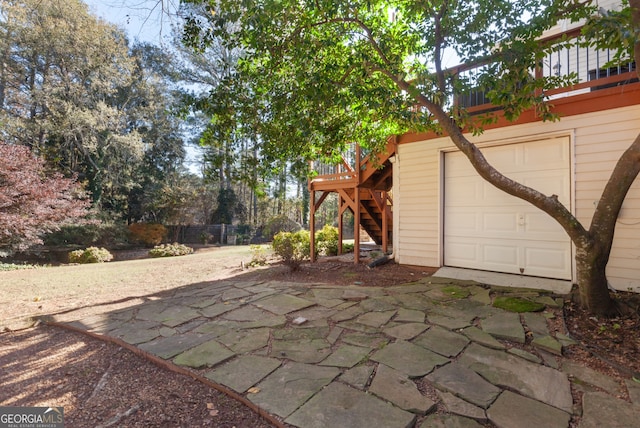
597	140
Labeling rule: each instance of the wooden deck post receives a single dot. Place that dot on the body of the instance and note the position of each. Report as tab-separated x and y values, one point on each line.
356	213
385	222
356	226
340	223
312	226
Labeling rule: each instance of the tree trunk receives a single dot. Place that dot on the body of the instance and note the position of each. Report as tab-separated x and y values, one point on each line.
591	263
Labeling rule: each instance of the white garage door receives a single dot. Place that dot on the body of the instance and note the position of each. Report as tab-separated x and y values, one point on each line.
487	229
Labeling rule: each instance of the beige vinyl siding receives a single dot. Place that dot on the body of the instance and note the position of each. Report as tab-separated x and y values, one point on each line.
418	225
598	140
599	143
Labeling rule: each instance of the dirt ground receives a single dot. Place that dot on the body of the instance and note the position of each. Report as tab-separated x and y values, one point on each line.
101	384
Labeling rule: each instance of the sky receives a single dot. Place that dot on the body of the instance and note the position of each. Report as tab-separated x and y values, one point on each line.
146	20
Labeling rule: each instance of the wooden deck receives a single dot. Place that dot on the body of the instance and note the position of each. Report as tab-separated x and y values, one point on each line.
364	187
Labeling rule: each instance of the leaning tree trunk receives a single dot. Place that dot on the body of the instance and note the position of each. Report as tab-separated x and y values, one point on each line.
593	289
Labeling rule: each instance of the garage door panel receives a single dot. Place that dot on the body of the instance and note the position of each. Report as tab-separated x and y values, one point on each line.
500	253
485	228
499	222
538	225
463	252
503	156
465	222
555	184
547	262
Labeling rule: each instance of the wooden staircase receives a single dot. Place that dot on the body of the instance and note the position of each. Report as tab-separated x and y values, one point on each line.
364	187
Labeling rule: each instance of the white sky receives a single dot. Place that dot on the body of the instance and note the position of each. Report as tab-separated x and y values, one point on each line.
146	20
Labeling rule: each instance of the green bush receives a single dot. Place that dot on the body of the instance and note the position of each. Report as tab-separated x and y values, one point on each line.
258	255
13	266
90	255
347	248
292	247
170	250
108	235
327	241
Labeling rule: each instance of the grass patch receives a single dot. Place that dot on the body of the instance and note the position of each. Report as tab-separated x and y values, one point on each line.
517	304
13	266
456	292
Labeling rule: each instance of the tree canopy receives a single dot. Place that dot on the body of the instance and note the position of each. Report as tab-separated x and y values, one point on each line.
314	76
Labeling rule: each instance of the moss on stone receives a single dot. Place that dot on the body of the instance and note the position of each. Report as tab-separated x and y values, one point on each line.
517	304
456	292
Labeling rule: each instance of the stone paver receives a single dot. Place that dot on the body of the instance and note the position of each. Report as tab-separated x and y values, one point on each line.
242	341
207	354
634	390
302	351
533	380
451	322
365	340
442	341
460	407
405	331
177	315
582	375
603	410
375	319
504	326
243	372
408	358
515	411
319	355
282	304
464	383
409	315
397	388
340	406
214	310
537	324
524	354
549	344
346	356
137	333
449	421
283	391
482	338
169	347
358	376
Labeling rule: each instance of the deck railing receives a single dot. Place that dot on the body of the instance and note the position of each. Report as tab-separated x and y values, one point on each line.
593	70
347	169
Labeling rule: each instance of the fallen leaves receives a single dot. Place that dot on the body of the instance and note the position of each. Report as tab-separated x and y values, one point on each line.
212	409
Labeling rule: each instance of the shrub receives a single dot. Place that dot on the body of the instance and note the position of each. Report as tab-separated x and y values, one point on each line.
170	250
13	266
292	247
278	224
347	248
258	255
90	255
327	240
149	234
91	234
